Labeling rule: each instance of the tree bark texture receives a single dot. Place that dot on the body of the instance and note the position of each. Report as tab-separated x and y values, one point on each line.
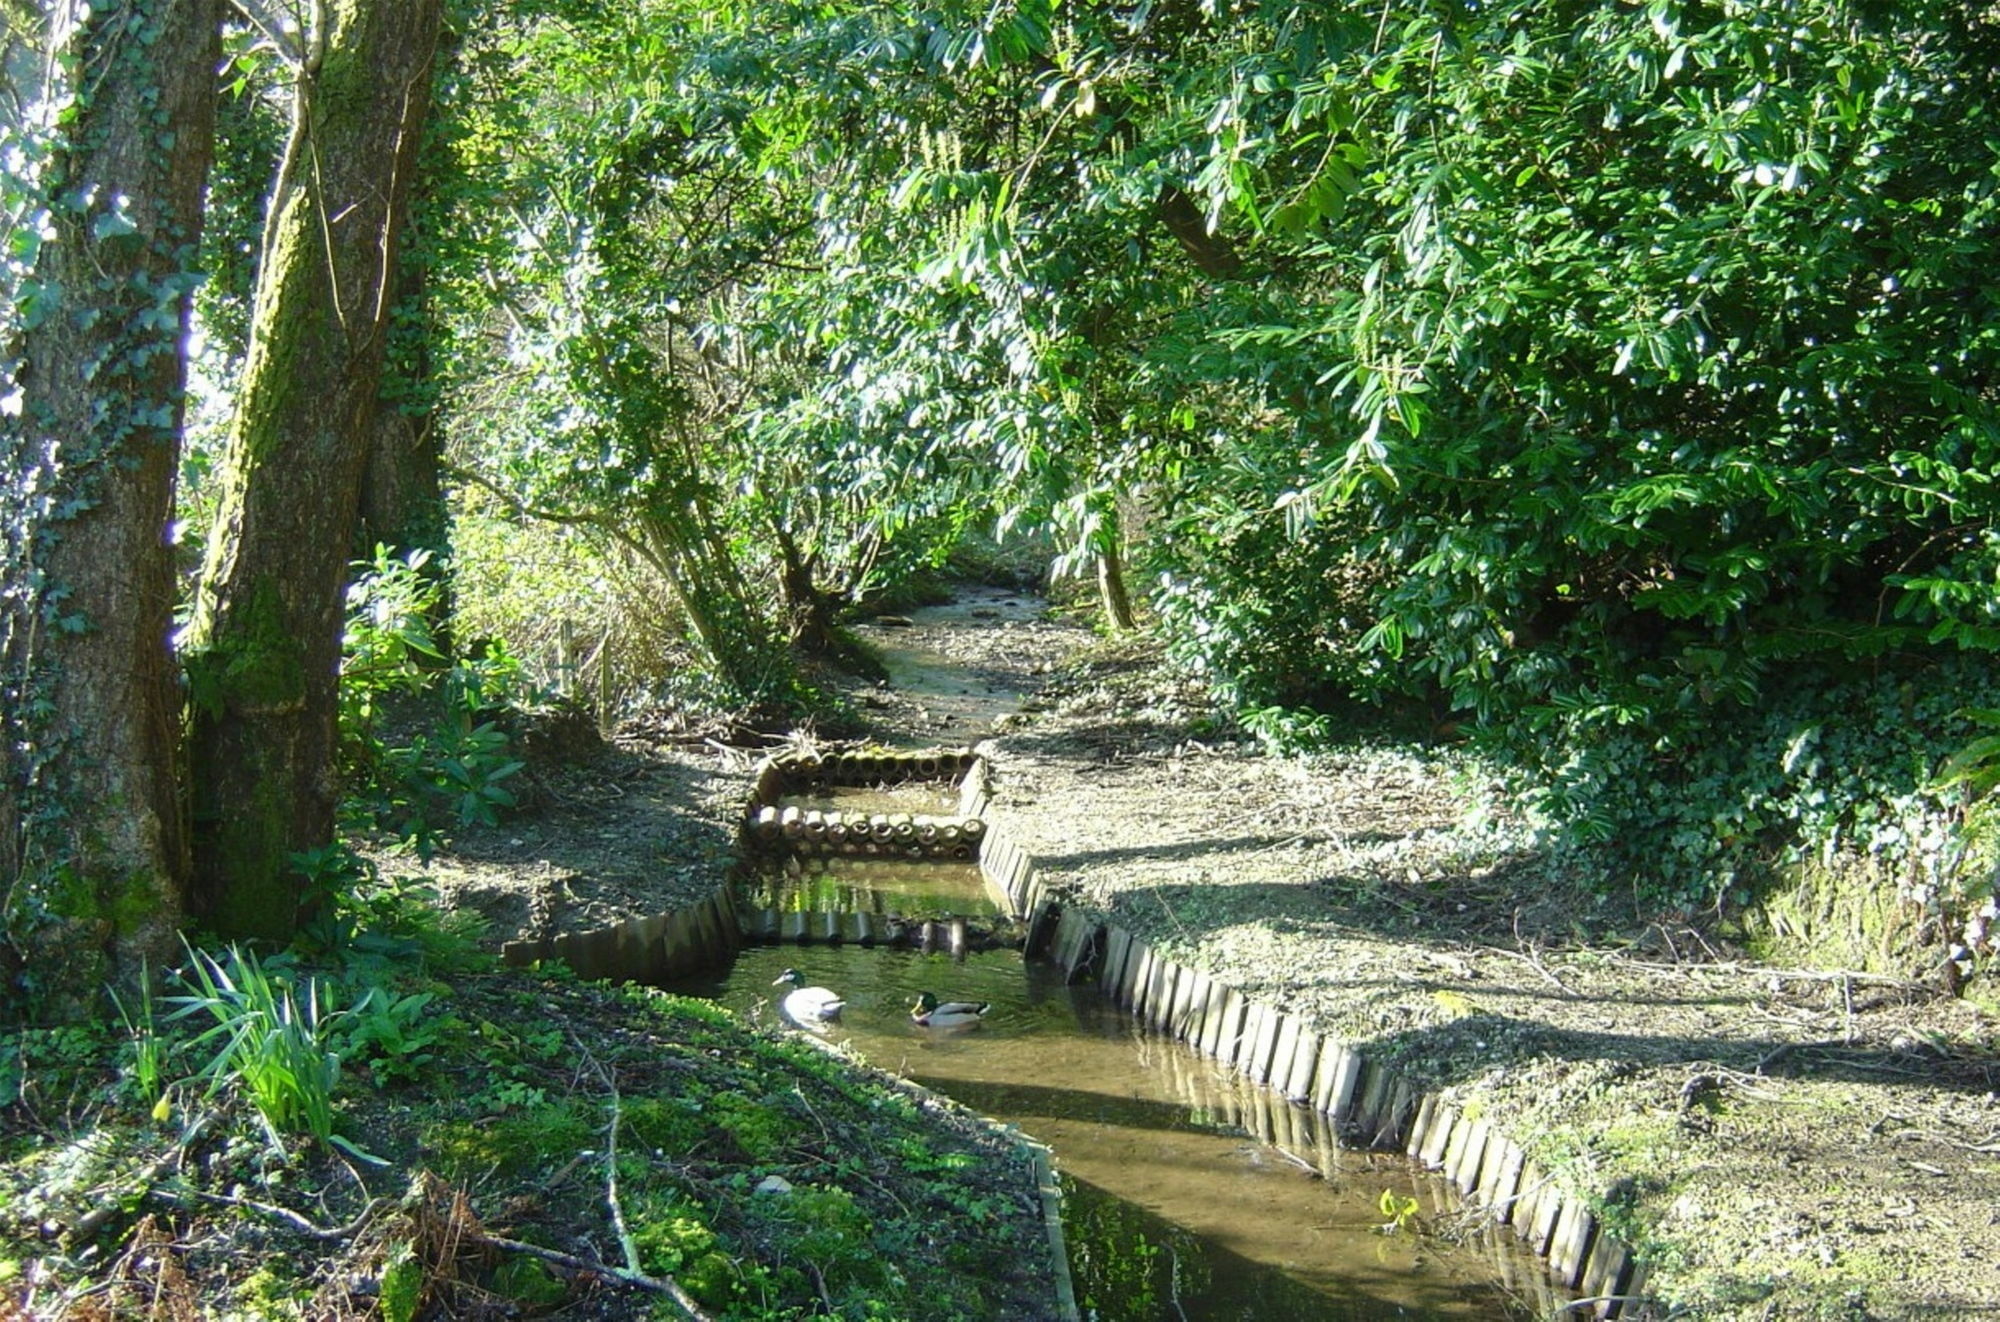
92	849
264	652
1111	588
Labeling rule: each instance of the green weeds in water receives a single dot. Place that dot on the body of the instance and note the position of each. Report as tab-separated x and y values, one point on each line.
1400	1211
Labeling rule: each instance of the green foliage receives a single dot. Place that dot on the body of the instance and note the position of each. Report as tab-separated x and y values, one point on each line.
669	1125
150	1050
393	672
1690	802
273	1039
1610	374
585	622
402	1283
1972	774
523	1141
602	411
760	1127
393	1035
280	1036
375	928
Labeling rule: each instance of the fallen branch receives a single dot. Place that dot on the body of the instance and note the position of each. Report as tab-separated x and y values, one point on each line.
301	1224
632	1272
666	1286
1932	1136
1739	969
1534	961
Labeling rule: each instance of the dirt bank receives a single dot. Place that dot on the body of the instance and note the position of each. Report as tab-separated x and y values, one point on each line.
1778	1143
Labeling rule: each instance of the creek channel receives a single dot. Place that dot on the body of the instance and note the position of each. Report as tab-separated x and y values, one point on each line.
1188	1192
1173	1205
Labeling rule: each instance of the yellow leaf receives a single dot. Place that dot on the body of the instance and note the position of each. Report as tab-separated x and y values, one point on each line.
1457	1004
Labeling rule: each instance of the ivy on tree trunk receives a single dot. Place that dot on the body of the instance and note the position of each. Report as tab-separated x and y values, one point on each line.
92	850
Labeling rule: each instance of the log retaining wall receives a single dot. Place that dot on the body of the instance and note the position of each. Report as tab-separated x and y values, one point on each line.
1369	1102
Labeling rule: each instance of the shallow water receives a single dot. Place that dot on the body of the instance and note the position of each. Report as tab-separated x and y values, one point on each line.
961	706
1191	1193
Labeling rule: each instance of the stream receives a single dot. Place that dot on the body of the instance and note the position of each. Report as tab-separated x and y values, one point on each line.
1174	1206
1188	1192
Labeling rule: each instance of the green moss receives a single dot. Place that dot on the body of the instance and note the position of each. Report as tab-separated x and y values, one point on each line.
271	1292
673	1125
762	1128
257	666
529	1283
1835	918
536	1139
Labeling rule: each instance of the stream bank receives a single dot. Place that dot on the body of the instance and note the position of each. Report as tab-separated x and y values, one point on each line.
1777	1143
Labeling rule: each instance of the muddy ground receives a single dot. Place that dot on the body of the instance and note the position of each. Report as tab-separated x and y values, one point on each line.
1780	1143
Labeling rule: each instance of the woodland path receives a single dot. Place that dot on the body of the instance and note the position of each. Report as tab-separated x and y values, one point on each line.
1781	1143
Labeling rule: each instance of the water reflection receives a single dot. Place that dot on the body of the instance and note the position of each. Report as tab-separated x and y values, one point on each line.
1193	1194
906	889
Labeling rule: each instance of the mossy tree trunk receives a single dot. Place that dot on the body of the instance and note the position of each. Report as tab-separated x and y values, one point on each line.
264	648
1111	588
92	850
1109	547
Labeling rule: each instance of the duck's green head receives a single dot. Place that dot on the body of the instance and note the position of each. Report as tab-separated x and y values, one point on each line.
924	1003
791	976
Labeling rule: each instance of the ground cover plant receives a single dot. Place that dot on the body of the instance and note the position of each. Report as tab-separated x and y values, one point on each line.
498	1144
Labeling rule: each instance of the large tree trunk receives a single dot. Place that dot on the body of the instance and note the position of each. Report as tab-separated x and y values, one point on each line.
402	502
92	851
264	651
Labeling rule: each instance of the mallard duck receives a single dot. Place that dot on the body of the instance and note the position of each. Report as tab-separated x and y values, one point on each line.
928	1012
808	1007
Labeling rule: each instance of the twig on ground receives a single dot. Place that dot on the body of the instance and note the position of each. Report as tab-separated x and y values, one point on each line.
632	1270
304	1226
637	1280
1534	961
1756	971
93	1221
1990	1145
819	1280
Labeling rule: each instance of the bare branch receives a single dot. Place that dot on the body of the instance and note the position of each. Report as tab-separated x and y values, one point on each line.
287	41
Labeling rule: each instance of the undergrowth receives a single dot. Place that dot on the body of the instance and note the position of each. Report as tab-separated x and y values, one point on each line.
395	1128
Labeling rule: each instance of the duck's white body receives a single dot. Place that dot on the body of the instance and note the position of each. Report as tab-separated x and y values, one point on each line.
808	1007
